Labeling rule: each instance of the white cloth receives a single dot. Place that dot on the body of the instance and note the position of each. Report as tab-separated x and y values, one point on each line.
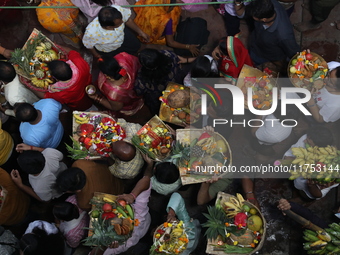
329	105
332	65
48	227
230	8
106	40
43	184
272	131
301	184
163	188
300	143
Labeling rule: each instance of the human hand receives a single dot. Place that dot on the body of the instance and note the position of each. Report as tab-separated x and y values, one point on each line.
217	53
194	49
146	38
182	60
129	198
7	53
16	177
114	245
22	147
209	129
284	205
171	216
147	159
213	179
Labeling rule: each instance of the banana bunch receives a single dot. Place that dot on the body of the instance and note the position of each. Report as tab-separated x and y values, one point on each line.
41	83
45	53
324	241
234	206
208	144
81	120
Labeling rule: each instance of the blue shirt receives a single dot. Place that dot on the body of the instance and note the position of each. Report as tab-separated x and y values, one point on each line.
48	132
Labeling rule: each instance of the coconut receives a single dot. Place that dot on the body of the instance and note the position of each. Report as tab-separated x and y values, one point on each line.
178	99
254	223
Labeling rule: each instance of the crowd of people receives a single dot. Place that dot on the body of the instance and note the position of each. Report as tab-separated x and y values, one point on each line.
131	77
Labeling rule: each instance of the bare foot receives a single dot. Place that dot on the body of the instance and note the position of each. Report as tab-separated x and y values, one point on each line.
307	26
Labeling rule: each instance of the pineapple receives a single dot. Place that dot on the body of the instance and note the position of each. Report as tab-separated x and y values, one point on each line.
197	151
48	45
216	223
39	74
180	154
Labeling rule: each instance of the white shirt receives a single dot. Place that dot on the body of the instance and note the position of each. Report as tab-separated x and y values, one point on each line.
329	105
300	143
106	40
272	131
43	184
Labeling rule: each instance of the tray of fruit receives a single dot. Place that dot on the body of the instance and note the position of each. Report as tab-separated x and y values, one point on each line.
243	227
31	61
180	105
318	163
199	155
170	238
93	134
154	139
307	70
262	85
110	219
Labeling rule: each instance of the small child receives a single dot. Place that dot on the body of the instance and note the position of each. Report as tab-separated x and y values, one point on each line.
72	219
316	136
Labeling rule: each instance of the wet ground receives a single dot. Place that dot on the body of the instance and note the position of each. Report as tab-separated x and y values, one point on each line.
283	235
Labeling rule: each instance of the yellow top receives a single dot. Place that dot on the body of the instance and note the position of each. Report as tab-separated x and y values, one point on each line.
6	145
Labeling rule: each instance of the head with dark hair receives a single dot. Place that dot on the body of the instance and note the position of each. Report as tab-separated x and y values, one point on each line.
110	67
65	211
261	10
166	172
40	243
223	46
110	18
101	2
123	150
60	70
25	112
7	72
223	110
32	162
71	180
320	136
202	68
155	65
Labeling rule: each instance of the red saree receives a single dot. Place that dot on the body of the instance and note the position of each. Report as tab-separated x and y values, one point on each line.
123	93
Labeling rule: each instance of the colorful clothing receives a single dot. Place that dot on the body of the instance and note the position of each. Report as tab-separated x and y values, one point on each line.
6	145
123	93
152	20
152	91
16	202
91	9
75	230
106	40
72	93
238	56
127	169
60	20
194	7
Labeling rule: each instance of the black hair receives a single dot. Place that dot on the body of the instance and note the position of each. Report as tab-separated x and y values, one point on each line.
166	172
40	243
101	2
223	46
225	109
201	68
321	136
7	72
25	112
110	67
65	211
107	15
72	179
32	162
261	9
155	65
337	73
60	70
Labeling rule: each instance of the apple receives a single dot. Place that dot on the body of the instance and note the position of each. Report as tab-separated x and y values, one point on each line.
292	69
294	61
269	86
299	65
122	202
309	56
256	103
107	207
262	83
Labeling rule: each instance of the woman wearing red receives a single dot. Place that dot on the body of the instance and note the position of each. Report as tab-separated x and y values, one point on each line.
116	82
232	55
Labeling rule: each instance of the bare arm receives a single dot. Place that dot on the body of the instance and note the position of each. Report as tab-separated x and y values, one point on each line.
112	105
24	147
131	24
314	110
170	41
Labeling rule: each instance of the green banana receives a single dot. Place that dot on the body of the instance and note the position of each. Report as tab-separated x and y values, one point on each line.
312	238
121	210
130	211
311	232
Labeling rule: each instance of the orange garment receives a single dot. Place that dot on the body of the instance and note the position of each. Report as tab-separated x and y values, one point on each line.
152	20
60	20
15	206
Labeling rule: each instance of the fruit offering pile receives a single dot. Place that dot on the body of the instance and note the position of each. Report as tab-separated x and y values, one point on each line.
307	70
154	139
94	134
325	241
169	238
261	91
110	220
180	105
319	163
235	225
32	60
